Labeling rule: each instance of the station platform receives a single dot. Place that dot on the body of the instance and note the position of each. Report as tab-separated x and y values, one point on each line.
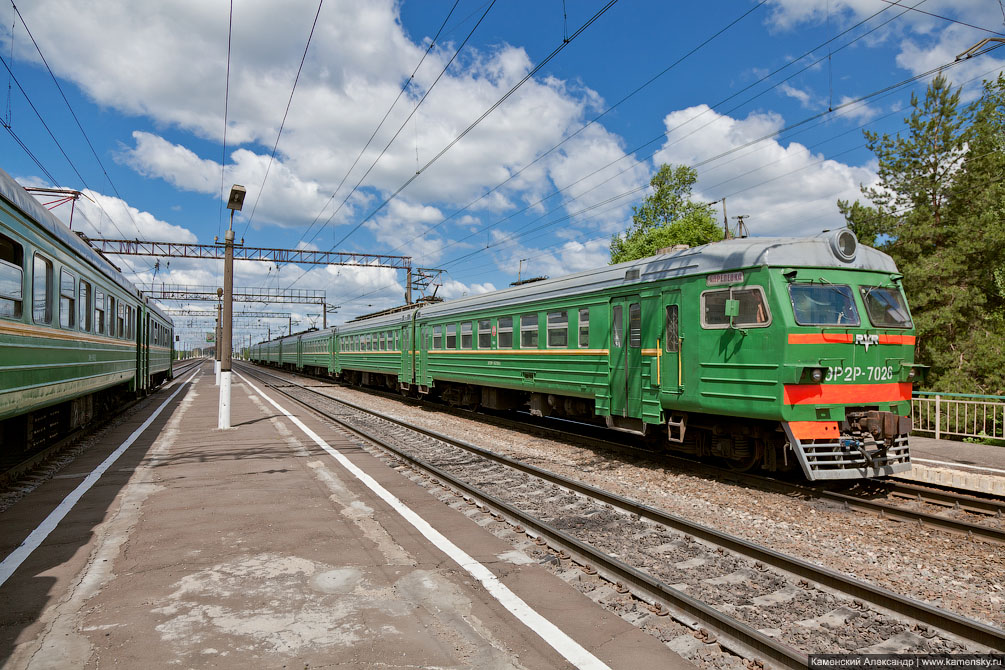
974	467
260	547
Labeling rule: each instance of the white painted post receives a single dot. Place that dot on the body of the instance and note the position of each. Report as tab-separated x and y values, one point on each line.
938	416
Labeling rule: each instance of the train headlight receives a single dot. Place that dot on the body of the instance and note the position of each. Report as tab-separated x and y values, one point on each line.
817	375
844	244
911	374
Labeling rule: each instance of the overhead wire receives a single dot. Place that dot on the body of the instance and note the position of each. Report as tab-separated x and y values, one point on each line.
463	133
589	123
402	127
884	91
289	102
77	121
57	143
432	44
226	111
631	152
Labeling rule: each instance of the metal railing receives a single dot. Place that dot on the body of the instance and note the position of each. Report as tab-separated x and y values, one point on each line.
957	415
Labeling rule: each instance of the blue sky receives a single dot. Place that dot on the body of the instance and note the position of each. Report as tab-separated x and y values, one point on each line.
147	83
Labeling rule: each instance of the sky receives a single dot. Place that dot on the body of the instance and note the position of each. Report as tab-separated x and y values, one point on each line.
489	140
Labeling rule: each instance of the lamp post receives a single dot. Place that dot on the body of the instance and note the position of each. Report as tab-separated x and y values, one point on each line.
218	336
234	204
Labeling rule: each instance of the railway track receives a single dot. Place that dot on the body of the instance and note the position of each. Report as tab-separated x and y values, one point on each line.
973	516
764	606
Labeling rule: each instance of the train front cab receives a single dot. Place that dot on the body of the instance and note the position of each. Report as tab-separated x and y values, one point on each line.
823	354
849	373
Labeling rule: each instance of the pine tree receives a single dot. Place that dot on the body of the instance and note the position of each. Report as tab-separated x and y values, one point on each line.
937	209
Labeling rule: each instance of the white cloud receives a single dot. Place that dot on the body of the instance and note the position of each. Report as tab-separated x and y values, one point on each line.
785	189
169	64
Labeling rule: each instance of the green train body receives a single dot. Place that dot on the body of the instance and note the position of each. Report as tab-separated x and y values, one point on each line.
768	353
75	335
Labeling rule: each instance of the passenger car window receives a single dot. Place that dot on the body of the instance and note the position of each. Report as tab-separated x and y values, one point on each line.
528	331
584	328
886	306
85	305
504	329
437	337
466	335
11	278
485	334
99	312
452	336
823	305
753	312
41	302
67	299
558	329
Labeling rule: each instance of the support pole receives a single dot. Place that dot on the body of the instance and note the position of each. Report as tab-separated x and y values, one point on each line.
216	345
228	325
324	315
408	286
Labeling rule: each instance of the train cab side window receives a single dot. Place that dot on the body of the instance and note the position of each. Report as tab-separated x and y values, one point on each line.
85	304
753	310
505	330
635	325
558	329
99	312
528	331
672	332
584	328
11	278
67	299
466	337
41	292
484	334
452	336
437	337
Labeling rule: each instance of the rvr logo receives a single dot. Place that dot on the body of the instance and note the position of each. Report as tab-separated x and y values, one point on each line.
866	340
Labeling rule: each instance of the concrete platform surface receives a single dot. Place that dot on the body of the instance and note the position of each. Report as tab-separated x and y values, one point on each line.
975	467
254	548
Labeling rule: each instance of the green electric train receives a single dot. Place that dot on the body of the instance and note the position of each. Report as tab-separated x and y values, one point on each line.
76	337
764	353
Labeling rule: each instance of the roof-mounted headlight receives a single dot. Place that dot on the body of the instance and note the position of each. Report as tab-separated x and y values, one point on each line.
845	244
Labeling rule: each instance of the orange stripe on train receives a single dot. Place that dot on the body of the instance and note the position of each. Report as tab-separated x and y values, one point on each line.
844	338
840	394
814	430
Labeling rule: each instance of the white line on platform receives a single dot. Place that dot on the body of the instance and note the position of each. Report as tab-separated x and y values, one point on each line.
549	632
957	465
14	560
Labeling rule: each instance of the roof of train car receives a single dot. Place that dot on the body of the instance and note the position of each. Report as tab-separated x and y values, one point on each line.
816	251
15	194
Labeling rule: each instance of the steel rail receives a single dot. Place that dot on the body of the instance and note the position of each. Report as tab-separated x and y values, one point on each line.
921	612
944	497
736	635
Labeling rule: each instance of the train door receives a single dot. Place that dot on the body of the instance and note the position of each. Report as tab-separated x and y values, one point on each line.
423	336
406	374
143	348
671	366
626	357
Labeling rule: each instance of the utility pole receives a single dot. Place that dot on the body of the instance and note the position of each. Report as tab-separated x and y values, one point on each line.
216	340
725	220
234	204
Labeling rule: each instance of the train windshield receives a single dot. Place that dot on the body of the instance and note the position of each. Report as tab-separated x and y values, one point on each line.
823	305
886	306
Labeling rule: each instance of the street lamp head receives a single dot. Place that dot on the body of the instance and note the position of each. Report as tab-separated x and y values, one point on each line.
219	292
236	201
